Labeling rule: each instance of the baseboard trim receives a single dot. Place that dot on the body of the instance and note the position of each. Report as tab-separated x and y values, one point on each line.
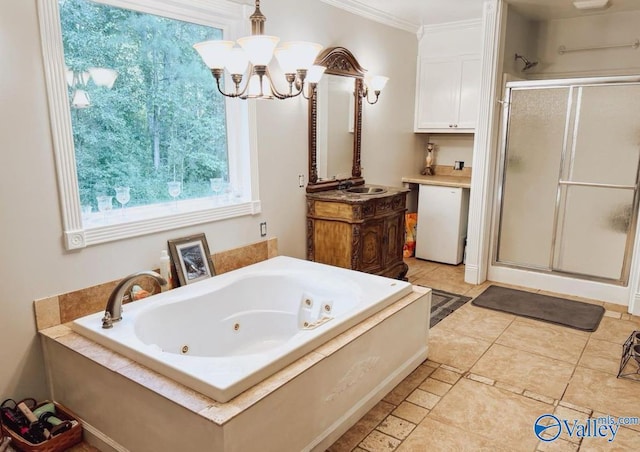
97	439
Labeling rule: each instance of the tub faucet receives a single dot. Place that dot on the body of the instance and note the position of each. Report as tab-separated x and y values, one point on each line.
113	311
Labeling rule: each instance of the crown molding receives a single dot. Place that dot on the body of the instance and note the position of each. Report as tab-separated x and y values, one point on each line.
360	9
455	25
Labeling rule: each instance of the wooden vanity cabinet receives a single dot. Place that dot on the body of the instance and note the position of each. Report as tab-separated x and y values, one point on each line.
361	232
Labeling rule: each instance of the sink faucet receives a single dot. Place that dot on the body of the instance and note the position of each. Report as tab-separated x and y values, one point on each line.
113	311
344	184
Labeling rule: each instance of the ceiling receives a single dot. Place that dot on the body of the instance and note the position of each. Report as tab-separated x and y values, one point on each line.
411	14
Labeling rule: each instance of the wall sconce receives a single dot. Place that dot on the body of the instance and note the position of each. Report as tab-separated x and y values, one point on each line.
375	83
255	53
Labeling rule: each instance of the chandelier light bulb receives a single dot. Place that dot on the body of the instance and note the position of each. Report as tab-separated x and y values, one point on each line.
69	75
103	76
214	53
315	73
80	99
297	55
259	48
376	83
237	61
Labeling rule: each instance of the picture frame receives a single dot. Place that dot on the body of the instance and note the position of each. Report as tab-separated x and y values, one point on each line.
191	259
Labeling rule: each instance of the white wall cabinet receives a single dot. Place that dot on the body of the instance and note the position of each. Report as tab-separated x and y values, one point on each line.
448	79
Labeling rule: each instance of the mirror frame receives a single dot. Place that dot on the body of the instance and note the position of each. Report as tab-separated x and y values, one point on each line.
338	61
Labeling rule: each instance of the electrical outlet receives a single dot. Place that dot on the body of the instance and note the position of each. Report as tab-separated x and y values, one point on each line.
263	229
300	180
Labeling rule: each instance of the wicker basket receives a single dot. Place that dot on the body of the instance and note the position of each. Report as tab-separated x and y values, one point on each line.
58	443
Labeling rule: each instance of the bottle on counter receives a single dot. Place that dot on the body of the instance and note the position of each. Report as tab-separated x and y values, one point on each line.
165	270
428	163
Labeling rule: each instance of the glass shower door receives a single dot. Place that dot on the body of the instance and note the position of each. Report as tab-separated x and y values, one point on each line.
568	198
535	137
598	187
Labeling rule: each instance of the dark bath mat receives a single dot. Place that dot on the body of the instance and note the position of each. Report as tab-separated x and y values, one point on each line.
574	314
443	304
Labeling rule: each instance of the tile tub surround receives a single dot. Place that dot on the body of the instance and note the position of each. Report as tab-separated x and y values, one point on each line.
325	392
66	307
488	376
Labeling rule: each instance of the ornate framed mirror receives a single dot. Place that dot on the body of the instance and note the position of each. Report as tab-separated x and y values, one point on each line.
335	122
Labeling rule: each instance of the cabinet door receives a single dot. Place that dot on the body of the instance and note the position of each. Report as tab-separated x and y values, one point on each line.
371	251
469	93
448	93
393	239
438	82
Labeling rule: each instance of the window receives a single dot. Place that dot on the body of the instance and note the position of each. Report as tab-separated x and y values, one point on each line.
157	147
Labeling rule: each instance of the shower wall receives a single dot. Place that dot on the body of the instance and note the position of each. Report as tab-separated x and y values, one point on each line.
568	198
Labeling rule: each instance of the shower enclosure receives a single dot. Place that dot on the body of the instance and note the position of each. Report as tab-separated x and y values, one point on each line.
568	201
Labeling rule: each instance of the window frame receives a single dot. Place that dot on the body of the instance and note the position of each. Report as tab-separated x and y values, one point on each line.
241	130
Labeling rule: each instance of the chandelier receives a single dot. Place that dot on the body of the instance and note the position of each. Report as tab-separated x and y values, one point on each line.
255	53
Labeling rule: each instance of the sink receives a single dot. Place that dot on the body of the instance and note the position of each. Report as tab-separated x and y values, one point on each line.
365	190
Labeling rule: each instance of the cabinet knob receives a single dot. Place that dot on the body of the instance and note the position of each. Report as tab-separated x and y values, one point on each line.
450	125
455	125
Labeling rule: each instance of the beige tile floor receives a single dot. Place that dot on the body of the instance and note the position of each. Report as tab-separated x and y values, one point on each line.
490	375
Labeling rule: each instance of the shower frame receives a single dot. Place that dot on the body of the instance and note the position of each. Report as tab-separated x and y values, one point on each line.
560	200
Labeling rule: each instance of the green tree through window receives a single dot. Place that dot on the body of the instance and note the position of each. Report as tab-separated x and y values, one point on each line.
162	120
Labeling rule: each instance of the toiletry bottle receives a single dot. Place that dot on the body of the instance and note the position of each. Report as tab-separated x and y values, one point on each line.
165	269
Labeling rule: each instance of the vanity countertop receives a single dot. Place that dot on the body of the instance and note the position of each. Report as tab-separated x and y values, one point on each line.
445	176
356	198
442	180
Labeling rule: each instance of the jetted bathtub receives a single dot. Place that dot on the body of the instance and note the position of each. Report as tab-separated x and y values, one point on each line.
223	335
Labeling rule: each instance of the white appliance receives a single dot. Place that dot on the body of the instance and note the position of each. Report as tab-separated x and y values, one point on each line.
442	223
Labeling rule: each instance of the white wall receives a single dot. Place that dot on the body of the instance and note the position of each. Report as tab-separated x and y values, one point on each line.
35	264
521	38
589	31
449	149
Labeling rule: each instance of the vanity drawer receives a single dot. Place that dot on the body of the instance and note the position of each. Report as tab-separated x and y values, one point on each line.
390	204
335	210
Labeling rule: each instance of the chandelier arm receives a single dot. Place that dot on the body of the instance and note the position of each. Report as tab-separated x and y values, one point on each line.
377	93
217	75
365	95
277	94
311	87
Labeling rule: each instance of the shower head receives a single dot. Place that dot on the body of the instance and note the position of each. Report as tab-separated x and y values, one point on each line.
527	64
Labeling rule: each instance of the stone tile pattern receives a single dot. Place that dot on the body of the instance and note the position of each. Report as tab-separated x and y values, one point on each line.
59	309
490	375
233	259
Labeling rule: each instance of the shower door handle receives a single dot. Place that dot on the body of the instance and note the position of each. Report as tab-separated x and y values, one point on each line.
596	184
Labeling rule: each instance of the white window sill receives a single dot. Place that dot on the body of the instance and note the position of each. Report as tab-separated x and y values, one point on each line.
117	224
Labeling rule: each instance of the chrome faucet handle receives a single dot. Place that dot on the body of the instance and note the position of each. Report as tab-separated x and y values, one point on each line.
106	320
